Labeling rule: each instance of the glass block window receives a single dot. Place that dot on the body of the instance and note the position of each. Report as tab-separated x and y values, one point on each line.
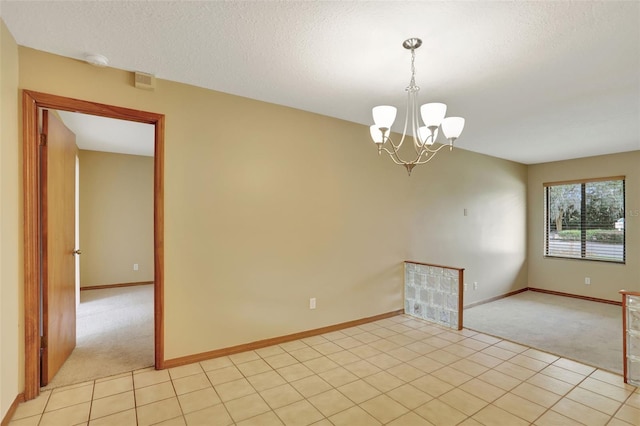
432	293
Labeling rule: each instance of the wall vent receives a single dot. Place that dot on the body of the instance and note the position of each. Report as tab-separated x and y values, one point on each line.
145	81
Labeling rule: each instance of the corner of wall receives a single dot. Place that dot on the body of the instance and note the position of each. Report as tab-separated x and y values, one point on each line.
11	341
567	275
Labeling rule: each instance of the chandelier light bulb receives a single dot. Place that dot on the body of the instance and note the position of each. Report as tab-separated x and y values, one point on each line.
384	116
376	134
424	135
433	114
452	127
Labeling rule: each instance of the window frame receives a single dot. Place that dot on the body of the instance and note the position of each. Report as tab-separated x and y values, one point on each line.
583	223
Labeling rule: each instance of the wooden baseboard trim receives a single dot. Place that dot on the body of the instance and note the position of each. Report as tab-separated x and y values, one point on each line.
12	409
102	287
541	290
575	296
189	359
493	299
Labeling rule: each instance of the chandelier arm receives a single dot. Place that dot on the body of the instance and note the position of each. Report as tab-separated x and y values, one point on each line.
394	156
423	150
417	144
395	147
412	101
406	118
429	154
426	160
438	148
404	134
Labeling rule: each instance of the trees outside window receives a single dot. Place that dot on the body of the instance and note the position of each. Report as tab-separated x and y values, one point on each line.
581	217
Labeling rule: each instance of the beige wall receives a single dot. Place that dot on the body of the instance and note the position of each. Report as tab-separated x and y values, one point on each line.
568	275
116	218
266	206
11	317
490	241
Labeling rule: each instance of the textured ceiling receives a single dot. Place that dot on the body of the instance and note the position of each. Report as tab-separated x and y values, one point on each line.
536	81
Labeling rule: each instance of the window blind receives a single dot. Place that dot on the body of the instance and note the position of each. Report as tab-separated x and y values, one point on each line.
585	219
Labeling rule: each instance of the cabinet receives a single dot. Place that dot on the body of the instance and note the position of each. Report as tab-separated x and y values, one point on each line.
631	336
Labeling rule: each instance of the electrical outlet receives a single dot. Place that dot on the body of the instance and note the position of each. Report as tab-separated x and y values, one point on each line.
465	286
475	285
135	266
587	280
312	303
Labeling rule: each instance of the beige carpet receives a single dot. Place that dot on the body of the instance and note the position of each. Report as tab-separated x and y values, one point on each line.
589	332
114	334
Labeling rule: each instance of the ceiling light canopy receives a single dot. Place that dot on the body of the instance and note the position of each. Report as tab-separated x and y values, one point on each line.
424	136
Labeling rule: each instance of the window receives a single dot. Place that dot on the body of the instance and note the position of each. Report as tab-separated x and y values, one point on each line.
585	219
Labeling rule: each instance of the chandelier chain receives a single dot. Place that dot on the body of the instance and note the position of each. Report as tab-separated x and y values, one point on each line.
412	84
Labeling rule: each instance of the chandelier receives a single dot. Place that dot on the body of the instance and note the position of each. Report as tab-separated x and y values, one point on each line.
433	117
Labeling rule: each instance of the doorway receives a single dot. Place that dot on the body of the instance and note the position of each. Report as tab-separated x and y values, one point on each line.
114	242
32	101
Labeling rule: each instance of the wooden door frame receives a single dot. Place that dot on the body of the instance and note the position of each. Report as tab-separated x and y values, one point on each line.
31	101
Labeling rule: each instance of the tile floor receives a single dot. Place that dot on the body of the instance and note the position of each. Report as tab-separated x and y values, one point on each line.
397	371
